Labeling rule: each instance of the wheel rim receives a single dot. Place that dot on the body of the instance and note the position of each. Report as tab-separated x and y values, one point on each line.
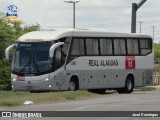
129	85
72	86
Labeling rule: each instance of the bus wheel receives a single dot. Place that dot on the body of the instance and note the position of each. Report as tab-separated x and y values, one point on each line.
128	86
73	84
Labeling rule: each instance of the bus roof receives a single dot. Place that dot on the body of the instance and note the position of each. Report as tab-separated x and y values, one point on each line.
53	35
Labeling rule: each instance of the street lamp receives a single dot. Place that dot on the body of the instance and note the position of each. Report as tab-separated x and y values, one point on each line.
74	2
135	8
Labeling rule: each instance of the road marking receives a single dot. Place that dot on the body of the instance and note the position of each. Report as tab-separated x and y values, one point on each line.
80	108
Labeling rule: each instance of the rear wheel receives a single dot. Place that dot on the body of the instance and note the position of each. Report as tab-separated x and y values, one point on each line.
129	85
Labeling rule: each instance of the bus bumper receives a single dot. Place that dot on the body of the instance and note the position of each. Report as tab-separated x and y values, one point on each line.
31	83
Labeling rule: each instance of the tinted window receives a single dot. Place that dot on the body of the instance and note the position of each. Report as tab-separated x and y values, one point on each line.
78	47
42	53
106	46
145	46
132	47
58	58
119	47
92	47
31	58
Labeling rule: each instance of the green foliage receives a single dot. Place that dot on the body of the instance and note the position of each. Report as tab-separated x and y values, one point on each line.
6	35
9	33
5	78
157	68
9	103
157	52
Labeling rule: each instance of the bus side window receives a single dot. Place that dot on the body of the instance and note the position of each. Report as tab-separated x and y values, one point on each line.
145	46
106	47
58	60
77	48
92	46
119	47
132	47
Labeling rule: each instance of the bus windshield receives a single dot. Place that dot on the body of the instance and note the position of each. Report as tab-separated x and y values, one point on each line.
30	58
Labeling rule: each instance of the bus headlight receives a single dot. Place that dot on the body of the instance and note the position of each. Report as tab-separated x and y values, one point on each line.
14	79
46	79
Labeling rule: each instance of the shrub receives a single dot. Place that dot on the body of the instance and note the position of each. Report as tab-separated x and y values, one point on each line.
5	82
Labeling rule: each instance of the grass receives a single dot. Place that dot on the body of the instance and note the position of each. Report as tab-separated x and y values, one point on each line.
9	98
145	88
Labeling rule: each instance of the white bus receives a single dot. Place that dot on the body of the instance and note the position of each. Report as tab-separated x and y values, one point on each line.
72	59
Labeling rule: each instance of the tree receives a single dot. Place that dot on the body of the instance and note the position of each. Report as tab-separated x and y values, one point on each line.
157	52
9	33
6	35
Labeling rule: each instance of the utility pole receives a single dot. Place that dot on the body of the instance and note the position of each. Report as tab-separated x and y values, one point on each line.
140	27
135	7
153	30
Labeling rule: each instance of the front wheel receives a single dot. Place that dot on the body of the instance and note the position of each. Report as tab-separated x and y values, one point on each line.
73	85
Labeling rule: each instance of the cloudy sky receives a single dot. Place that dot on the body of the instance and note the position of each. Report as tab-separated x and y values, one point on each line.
112	15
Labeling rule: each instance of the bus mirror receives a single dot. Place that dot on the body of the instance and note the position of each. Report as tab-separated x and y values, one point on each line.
7	51
53	47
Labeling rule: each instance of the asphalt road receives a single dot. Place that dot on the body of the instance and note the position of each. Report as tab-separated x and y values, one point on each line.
137	101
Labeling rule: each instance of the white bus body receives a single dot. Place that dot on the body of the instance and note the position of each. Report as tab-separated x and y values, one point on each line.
81	59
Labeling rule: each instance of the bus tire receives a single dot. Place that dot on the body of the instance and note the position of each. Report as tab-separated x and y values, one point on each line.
129	85
73	84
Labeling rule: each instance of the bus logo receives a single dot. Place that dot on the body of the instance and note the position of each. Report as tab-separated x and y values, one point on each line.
130	62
